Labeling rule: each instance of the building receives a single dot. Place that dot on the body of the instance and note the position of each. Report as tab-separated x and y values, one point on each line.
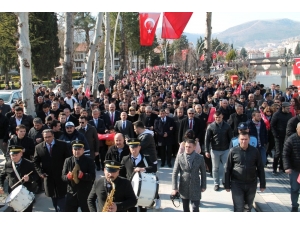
79	57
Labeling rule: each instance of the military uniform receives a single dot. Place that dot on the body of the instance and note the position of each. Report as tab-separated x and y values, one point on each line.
23	167
77	193
123	197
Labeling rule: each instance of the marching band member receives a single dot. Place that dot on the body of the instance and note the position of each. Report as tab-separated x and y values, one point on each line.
119	199
16	169
136	162
79	173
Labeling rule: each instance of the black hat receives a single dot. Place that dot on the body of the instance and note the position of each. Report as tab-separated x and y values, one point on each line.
112	166
77	144
15	149
243	126
133	142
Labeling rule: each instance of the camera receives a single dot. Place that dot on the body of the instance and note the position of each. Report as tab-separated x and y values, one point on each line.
173	197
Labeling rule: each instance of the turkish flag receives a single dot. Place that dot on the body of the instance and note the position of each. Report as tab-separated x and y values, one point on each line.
296	66
184	53
148	24
106	137
266	121
202	57
174	24
220	53
238	90
214	55
87	92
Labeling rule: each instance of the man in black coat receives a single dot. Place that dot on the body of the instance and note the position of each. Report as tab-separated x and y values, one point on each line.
23	168
148	118
4	108
119	150
44	113
21	139
19	118
136	162
3	132
236	118
123	196
35	133
49	158
292	124
79	173
111	117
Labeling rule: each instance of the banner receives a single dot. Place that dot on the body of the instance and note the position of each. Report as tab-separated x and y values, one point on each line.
266	121
202	57
214	55
174	24
148	24
184	52
238	91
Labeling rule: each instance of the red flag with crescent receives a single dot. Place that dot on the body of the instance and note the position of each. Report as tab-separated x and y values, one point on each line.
174	24
266	121
296	66
87	92
211	113
214	55
202	57
220	53
106	137
148	24
238	91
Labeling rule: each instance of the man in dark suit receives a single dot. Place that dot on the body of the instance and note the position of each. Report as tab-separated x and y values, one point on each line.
123	195
55	110
44	113
148	118
19	118
23	168
191	122
136	162
99	124
124	126
179	116
91	135
49	158
111	117
82	101
80	180
4	108
119	150
70	117
164	128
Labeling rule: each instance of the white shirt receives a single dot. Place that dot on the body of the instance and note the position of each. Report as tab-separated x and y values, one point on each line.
48	146
18	121
70	101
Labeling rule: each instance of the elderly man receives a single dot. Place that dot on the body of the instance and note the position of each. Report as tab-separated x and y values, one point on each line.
148	118
119	150
124	126
111	117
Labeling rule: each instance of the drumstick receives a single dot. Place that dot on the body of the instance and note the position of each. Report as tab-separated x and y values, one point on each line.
20	180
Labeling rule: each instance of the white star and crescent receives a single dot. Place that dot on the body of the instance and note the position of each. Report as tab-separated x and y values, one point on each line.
152	24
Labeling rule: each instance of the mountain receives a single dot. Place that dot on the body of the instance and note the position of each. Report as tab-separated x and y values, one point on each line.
255	33
260	32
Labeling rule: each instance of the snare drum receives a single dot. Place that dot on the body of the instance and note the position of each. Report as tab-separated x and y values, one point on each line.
20	198
145	187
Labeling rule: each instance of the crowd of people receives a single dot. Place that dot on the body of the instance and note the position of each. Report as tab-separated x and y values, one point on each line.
208	126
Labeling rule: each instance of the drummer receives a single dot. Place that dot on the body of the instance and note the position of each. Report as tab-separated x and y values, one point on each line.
18	169
136	162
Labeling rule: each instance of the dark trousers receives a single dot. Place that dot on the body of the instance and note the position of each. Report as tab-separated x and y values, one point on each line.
165	150
295	188
207	161
59	204
186	205
103	152
278	154
243	196
97	161
134	209
74	202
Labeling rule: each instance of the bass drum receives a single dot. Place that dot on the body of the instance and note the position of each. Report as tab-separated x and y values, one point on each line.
145	187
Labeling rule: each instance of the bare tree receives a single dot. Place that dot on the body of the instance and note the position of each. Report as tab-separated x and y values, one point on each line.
92	49
24	55
107	65
207	45
66	84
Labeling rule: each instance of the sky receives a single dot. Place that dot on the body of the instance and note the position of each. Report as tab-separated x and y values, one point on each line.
225	13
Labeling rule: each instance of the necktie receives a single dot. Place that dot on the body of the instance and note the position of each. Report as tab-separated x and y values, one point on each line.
273	93
123	125
112	118
96	122
50	149
191	124
133	161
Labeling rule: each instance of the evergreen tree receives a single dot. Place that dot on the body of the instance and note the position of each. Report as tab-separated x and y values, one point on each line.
297	50
44	43
243	53
8	40
85	22
231	55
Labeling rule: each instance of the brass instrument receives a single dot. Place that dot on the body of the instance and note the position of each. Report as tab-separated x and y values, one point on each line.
75	171
109	199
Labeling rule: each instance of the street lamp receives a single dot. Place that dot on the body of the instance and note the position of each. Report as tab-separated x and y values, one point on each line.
285	61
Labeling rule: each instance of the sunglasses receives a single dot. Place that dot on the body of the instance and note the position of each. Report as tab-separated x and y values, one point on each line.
191	113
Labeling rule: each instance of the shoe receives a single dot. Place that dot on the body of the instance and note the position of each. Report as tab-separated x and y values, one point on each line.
216	188
170	165
162	165
157	204
294	209
275	173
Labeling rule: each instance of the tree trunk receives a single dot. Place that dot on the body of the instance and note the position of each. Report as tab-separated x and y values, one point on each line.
207	45
95	77
122	52
24	54
66	84
137	60
107	51
92	49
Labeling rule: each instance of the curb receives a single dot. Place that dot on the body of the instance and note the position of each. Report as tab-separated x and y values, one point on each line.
260	205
